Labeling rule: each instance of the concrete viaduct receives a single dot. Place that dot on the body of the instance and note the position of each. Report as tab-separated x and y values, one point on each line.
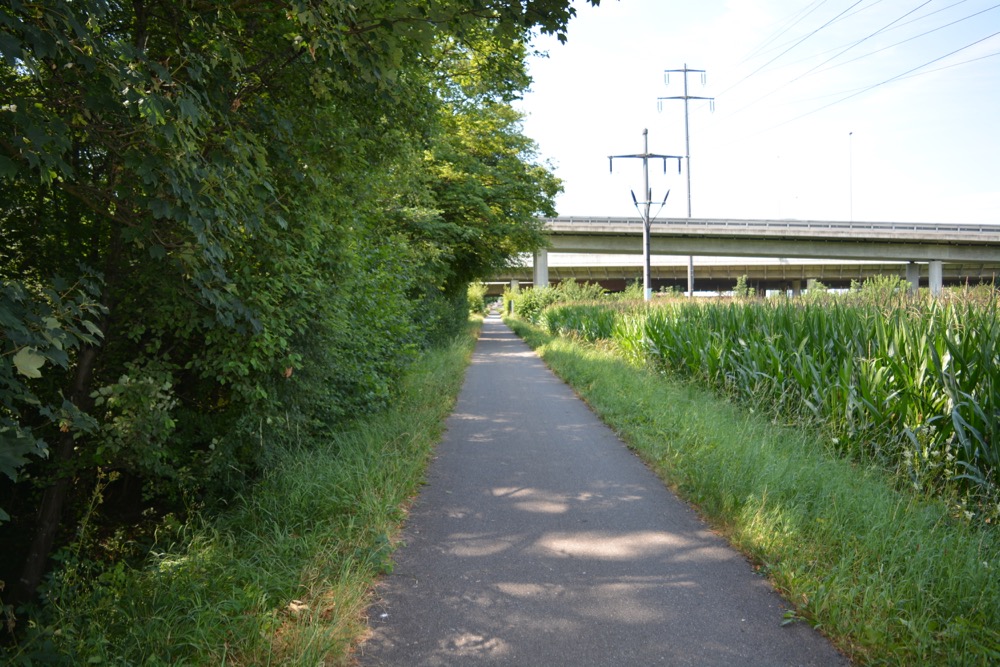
972	249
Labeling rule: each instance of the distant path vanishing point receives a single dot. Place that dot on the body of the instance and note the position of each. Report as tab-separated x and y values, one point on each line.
540	539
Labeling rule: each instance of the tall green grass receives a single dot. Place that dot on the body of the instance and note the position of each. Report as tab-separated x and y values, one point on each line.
282	578
591	321
892	577
911	384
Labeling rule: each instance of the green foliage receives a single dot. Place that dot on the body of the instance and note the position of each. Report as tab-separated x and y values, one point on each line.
909	385
816	292
885	288
633	291
591	321
572	290
487	191
912	388
284	206
477	298
282	576
41	328
743	291
508	298
136	423
531	303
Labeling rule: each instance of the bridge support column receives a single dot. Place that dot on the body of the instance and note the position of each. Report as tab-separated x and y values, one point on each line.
690	277
796	288
541	268
913	276
936	277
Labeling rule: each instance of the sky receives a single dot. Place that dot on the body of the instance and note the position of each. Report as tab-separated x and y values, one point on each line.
823	110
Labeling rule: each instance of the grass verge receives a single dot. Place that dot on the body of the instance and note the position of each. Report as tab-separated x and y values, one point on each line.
281	579
891	578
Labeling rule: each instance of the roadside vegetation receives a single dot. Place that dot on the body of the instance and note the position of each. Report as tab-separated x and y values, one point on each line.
893	556
280	577
227	231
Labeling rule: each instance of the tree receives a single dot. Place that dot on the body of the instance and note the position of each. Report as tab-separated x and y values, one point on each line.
204	203
483	185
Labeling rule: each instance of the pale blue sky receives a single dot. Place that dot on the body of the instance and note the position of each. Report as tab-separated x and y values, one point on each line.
921	148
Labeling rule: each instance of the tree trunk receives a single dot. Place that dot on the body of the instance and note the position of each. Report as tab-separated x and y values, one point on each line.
51	508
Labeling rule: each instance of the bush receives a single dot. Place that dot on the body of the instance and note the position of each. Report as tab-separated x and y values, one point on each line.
574	291
477	298
633	291
530	303
742	290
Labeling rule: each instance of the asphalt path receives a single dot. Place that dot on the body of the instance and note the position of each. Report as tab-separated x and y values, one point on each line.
540	539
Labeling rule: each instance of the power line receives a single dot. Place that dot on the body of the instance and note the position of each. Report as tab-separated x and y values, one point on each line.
866	55
909	74
928	14
944	67
861	89
808	10
843	17
792	47
910	39
842	52
862	40
894	27
889	80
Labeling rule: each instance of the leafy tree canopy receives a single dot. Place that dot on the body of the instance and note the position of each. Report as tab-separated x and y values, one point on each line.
225	222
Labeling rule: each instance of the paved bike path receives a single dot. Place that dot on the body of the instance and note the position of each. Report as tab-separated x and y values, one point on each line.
540	539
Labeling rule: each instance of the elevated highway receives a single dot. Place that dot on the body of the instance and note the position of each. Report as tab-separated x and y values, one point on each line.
719	274
973	246
806	239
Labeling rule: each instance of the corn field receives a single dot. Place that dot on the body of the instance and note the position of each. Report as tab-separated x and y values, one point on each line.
913	385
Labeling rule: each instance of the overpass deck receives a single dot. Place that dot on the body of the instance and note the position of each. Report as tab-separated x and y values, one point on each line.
818	239
916	231
871	242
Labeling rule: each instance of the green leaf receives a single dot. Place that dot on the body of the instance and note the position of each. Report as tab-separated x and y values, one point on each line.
7	167
15	446
10	47
189	110
29	362
93	328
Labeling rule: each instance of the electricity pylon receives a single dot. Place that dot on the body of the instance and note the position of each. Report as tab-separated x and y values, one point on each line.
687	145
644	206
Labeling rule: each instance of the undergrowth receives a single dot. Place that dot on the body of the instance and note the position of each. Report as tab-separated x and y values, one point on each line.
283	576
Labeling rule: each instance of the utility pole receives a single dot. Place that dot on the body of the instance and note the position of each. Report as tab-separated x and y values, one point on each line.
643	206
687	144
